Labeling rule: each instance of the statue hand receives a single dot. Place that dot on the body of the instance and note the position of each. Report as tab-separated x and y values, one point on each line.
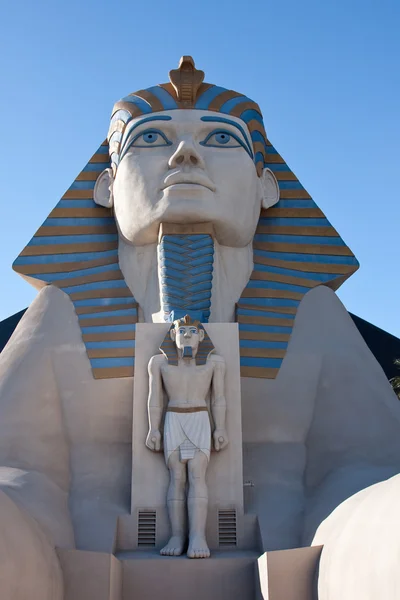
220	439
153	440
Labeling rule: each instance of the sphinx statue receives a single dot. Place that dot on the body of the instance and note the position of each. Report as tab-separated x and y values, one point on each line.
185	209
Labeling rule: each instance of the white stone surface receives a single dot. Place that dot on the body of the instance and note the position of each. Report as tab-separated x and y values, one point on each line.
360	558
308	434
68	433
330	419
29	567
288	574
90	575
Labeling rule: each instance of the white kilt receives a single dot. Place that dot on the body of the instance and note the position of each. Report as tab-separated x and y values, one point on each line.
188	432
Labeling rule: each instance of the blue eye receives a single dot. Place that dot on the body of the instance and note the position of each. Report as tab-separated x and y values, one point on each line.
151	137
193	331
222	138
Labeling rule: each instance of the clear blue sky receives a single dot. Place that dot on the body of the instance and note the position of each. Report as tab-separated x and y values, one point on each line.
326	75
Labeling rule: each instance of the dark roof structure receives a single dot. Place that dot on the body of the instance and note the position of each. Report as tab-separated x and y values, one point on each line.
7	327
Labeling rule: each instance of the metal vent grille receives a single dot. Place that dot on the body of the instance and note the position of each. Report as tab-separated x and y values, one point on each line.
227	528
146	528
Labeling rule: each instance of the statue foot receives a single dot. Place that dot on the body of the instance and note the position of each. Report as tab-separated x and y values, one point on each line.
174	546
198	547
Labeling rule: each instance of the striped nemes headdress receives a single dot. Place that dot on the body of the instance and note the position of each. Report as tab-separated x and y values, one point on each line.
295	247
186	90
168	347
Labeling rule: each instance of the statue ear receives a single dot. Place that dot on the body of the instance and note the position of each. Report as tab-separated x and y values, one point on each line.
201	335
172	334
270	188
102	193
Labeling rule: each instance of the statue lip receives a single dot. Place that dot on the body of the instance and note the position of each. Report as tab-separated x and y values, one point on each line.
179	178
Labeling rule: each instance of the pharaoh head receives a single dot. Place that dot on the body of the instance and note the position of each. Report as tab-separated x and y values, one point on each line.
187	335
187	152
187	338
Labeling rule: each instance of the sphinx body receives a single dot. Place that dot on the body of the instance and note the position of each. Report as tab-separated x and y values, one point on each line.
324	428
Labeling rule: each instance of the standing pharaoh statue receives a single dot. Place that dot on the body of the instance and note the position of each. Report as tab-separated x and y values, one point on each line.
187	376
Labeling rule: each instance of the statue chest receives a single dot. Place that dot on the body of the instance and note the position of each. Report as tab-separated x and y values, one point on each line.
187	382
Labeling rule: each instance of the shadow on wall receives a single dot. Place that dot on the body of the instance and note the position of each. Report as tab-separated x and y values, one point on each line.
384	346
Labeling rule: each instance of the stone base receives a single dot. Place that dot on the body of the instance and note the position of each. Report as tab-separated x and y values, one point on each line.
226	575
90	575
288	574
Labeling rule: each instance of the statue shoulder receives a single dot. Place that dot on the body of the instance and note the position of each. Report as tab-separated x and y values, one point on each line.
217	359
156	362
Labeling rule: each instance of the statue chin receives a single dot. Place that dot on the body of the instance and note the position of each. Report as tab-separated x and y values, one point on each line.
228	228
224	235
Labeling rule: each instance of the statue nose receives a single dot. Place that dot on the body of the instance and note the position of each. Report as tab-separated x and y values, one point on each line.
186	154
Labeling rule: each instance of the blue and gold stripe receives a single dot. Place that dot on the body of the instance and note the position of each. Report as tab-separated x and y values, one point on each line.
76	250
210	97
295	249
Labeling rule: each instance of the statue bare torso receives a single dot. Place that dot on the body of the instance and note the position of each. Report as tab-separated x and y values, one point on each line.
187	385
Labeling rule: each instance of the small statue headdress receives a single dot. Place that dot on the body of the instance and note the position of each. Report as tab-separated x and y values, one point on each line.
168	347
187	320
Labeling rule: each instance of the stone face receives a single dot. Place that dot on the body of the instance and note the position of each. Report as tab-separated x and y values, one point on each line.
187	178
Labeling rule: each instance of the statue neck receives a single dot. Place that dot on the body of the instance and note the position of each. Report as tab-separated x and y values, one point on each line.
231	272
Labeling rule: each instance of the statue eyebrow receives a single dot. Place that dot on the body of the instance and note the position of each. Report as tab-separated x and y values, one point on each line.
127	131
242	131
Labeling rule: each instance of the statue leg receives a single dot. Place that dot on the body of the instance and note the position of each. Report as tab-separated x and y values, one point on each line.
197	506
176	502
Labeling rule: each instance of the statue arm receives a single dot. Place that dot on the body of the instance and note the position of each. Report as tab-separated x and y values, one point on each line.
218	403
155	403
